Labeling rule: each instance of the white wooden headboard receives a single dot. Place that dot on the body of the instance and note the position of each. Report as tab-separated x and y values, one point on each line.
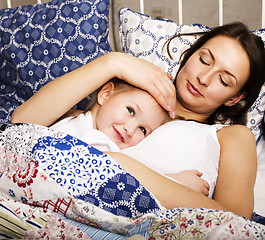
9	4
180	8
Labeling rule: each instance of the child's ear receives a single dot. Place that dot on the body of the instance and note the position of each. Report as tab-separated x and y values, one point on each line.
105	92
234	100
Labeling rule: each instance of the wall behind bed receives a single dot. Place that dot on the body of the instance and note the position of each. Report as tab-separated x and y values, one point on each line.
16	3
200	11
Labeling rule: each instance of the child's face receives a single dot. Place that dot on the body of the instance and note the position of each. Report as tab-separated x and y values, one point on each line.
127	117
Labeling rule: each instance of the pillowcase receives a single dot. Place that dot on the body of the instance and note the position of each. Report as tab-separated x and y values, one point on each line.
41	42
144	37
255	114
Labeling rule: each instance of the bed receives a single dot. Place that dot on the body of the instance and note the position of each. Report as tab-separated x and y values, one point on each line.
56	186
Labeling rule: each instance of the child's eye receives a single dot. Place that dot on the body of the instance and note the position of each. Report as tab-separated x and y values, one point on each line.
203	61
223	82
131	111
143	130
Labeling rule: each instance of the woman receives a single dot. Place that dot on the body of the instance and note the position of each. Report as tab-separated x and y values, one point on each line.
217	73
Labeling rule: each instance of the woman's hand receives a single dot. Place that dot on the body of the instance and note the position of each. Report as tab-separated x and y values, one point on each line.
147	76
191	179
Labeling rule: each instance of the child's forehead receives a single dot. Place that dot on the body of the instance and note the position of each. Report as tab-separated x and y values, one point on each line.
142	100
146	102
139	92
142	96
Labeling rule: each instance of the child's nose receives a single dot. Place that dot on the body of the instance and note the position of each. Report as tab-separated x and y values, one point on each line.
130	129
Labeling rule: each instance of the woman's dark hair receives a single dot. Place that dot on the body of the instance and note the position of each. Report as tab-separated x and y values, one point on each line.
263	127
254	47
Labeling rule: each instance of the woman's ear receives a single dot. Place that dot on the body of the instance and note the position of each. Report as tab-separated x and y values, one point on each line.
234	100
105	92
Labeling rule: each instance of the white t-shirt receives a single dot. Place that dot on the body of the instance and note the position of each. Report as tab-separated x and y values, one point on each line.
181	145
81	127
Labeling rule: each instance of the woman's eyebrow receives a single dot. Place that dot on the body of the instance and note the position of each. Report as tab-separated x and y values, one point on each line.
232	75
227	72
211	54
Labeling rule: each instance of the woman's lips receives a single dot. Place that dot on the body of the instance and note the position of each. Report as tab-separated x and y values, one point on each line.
118	135
193	90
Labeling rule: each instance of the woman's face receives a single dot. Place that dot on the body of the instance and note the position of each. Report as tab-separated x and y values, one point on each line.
213	76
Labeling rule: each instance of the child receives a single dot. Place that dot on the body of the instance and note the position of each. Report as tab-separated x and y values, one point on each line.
118	116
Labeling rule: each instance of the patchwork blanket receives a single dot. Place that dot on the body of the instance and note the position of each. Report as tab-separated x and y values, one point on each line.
53	185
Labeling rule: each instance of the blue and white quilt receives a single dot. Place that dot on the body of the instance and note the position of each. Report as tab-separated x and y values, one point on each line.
54	185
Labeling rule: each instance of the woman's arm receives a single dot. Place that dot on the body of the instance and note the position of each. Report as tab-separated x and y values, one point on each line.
57	97
237	170
170	193
234	189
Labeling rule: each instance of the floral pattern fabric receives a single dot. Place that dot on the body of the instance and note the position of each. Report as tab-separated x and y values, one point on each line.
53	185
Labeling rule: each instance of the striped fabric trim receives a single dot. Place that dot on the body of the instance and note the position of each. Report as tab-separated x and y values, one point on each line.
12	226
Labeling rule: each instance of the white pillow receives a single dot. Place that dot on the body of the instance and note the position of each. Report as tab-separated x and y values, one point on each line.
144	37
255	114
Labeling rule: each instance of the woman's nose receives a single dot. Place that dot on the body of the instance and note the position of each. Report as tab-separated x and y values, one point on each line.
204	78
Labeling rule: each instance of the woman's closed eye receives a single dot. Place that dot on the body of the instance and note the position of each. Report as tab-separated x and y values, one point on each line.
223	82
203	61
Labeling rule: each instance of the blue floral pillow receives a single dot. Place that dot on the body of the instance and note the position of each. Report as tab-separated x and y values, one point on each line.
143	36
41	42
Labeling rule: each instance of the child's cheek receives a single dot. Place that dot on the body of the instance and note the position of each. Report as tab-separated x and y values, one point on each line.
138	138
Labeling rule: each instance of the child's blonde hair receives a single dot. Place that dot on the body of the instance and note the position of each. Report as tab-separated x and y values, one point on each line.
118	85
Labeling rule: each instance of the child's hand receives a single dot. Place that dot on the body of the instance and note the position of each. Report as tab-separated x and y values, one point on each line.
191	179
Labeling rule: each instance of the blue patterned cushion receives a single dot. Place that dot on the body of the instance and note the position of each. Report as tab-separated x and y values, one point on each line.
41	42
144	37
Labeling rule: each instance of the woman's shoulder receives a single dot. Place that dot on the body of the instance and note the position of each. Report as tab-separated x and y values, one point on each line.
235	132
